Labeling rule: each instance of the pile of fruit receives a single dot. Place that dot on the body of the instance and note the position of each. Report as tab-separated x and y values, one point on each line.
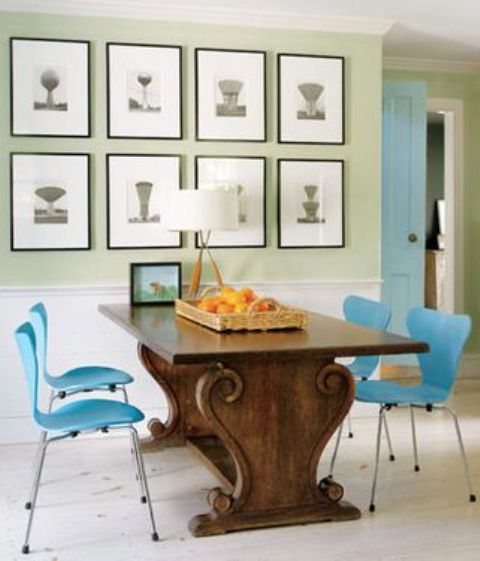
231	301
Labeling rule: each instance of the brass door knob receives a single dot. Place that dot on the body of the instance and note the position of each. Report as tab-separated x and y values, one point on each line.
412	238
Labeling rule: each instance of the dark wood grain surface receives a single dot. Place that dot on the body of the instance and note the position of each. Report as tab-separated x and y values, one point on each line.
180	341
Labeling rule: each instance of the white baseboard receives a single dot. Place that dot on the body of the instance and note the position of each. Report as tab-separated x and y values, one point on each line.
80	335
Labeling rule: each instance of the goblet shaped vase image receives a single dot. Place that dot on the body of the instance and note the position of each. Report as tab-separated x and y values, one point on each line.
230	90
310	206
51	215
144	79
311	93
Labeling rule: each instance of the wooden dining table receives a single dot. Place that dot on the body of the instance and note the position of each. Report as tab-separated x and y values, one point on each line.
257	407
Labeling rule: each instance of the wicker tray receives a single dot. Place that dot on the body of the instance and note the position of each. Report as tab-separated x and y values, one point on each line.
281	317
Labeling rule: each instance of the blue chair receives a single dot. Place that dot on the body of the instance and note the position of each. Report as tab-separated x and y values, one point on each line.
375	315
76	380
81	379
73	419
446	335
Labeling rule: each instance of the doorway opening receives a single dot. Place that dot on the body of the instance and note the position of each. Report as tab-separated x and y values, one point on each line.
444	206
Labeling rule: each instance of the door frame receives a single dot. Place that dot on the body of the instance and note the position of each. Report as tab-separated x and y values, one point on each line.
454	199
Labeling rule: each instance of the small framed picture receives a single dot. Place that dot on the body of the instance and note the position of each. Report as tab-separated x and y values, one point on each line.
50	87
50	201
155	283
144	91
137	187
245	175
310	203
230	95
311	99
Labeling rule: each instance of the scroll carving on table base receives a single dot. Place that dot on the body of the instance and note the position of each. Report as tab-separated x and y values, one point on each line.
178	383
271	447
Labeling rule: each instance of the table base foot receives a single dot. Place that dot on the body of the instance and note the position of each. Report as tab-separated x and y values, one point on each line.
214	523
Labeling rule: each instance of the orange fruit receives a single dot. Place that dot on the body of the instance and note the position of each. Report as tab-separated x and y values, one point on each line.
225	309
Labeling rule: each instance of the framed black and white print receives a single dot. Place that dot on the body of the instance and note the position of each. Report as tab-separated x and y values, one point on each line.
230	95
245	175
50	87
310	203
144	97
50	201
311	99
137	187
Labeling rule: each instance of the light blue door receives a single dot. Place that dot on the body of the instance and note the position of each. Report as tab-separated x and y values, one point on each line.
403	198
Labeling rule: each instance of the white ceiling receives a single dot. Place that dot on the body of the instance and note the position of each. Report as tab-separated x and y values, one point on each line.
443	30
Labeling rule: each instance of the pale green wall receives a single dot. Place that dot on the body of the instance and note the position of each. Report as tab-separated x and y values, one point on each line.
359	259
467	88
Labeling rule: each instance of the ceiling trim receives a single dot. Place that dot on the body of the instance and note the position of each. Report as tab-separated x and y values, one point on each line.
177	11
430	65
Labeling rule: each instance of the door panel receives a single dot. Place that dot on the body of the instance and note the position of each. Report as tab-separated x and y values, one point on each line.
403	198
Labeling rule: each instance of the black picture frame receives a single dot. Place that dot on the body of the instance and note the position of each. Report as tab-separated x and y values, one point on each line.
312	132
60	217
165	295
334	170
112	117
262	215
200	102
20	103
111	201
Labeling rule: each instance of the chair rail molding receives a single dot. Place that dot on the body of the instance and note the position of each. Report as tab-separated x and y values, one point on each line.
189	12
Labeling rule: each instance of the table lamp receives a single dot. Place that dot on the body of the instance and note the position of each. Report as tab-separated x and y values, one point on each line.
202	211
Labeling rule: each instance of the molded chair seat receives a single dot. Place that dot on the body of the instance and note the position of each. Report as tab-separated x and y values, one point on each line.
88	377
89	414
379	391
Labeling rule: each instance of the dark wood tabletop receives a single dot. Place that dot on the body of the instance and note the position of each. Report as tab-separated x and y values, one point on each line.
180	341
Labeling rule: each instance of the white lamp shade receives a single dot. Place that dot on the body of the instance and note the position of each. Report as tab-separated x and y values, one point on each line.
201	209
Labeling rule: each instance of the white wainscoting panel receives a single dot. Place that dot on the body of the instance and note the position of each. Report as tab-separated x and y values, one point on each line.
79	334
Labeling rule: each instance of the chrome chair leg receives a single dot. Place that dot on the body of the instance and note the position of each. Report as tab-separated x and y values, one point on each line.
391	455
143	478
335	451
472	497
36	485
136	454
381	414
414	439
41	442
349	421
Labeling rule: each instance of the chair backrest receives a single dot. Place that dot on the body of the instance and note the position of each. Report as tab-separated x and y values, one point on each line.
446	334
368	313
39	320
25	337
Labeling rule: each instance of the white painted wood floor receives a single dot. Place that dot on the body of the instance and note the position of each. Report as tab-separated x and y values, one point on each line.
89	509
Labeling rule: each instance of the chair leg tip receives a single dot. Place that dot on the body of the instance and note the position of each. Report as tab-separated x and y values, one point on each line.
25	549
417	468
155	537
28	506
350	435
391	458
371	508
473	498
143	499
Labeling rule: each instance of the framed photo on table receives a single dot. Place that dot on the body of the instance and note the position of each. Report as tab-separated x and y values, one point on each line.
310	203
50	87
50	201
144	91
230	95
311	99
154	284
245	175
137	187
